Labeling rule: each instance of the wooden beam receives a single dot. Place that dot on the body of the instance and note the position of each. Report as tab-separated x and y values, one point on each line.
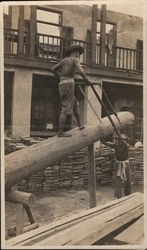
22	164
103	34
92	176
106	72
21	31
86	227
20	197
93	33
33	29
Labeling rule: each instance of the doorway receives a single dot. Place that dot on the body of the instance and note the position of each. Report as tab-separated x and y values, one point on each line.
45	106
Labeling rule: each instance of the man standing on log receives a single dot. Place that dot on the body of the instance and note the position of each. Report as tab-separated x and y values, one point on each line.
68	67
123	172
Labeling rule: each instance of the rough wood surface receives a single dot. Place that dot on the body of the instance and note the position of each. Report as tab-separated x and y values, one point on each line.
134	234
19	219
20	197
22	164
86	227
92	176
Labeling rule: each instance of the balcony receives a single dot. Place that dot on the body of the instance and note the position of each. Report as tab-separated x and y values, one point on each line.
52	48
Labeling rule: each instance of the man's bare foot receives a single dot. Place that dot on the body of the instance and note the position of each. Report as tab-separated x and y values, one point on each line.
64	135
81	127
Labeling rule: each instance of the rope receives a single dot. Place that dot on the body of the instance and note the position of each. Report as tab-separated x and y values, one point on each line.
112	109
106	111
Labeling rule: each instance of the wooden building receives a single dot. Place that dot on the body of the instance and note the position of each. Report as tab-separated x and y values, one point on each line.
36	37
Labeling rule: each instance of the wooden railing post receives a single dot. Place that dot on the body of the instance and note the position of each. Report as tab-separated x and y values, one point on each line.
103	35
21	31
32	30
93	33
92	176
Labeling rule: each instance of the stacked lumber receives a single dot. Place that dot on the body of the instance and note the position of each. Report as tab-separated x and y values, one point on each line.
104	166
65	173
50	178
35	182
86	228
80	169
137	164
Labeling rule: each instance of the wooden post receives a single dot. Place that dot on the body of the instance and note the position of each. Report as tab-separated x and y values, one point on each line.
21	31
103	34
19	218
29	214
93	34
33	30
92	176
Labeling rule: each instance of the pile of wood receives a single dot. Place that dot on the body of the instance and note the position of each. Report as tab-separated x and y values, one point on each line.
80	169
137	164
95	226
13	144
104	165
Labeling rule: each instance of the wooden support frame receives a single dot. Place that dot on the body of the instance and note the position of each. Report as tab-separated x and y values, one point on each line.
24	202
33	30
93	33
19	218
92	176
21	31
103	34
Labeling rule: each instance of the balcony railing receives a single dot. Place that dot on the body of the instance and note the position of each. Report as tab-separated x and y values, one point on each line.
124	58
10	41
53	48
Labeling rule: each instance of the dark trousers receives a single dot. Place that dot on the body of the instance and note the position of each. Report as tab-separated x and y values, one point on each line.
118	185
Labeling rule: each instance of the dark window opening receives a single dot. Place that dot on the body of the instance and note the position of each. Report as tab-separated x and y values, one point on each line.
45	105
49	27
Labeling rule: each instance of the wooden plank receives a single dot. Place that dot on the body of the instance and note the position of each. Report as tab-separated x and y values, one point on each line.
97	70
103	34
20	197
30	227
19	219
93	32
44	231
93	229
37	235
92	176
134	234
21	164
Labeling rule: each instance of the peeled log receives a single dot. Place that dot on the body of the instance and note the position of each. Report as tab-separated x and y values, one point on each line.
27	199
24	163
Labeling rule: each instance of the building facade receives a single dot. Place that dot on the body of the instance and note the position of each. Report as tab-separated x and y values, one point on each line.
36	37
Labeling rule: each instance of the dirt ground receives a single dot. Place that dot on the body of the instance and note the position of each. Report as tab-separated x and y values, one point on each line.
55	205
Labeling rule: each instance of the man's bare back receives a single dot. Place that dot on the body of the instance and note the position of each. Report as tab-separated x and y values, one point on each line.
69	66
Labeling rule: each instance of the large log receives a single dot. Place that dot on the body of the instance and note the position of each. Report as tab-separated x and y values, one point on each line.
21	164
86	227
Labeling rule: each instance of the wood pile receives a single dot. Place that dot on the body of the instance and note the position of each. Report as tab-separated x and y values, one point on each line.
104	166
137	165
95	226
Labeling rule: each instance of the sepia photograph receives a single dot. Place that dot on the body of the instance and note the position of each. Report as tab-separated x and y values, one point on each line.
72	125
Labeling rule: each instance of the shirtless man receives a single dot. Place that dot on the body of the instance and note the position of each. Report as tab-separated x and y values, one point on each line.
123	172
68	67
